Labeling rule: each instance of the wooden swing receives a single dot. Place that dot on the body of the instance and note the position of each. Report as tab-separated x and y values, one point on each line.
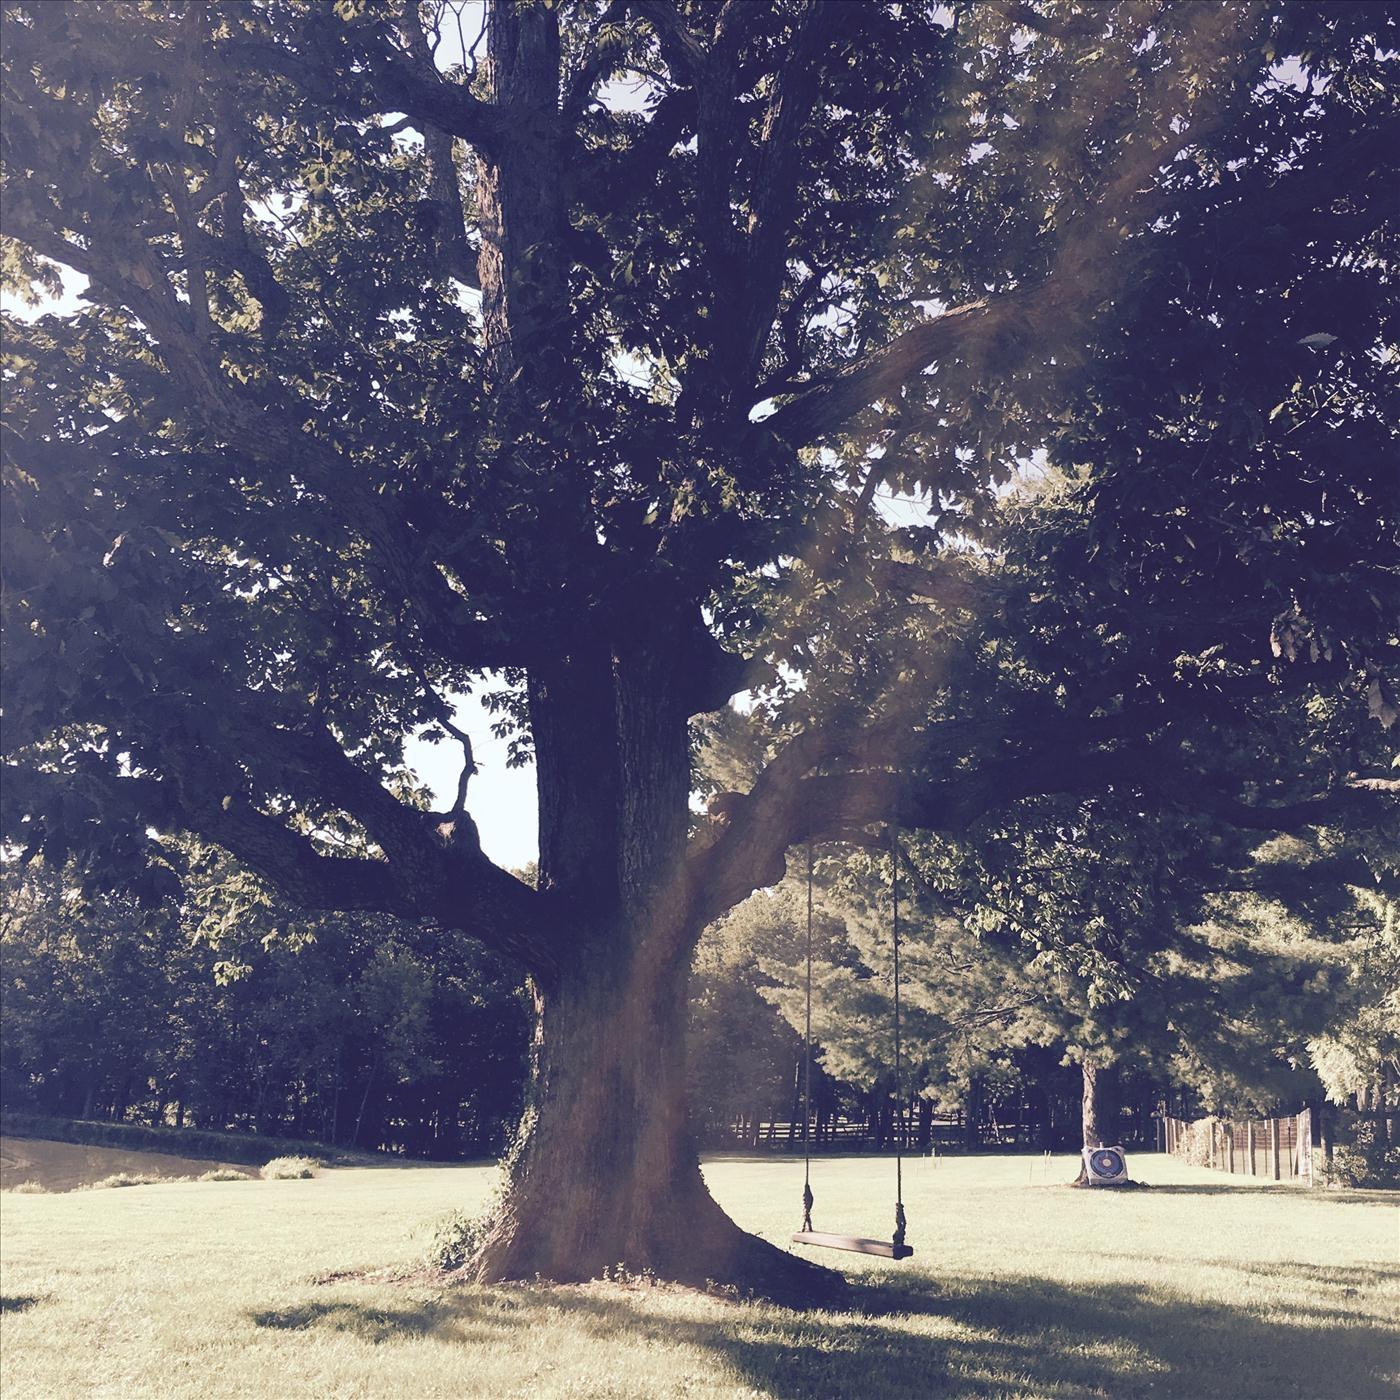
894	1248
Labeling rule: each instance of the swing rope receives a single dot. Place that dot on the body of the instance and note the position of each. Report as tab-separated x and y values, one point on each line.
807	1198
899	1223
896	1248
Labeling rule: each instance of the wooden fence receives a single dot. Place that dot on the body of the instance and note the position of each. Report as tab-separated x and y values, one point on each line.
835	1133
1280	1148
920	1130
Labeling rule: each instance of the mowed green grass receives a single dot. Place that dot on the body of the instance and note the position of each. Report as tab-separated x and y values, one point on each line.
1202	1286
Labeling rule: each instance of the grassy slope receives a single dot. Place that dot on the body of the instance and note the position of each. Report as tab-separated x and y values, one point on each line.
199	1143
65	1166
1020	1287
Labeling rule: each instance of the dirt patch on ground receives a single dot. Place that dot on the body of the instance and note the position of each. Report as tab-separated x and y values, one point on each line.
65	1166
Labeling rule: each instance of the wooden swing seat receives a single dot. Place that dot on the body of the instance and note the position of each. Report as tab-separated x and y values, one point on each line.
854	1243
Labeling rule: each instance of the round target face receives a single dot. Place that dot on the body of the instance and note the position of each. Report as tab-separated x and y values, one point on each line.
1106	1163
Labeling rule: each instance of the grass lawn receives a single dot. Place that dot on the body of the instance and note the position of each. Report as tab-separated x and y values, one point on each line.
1200	1287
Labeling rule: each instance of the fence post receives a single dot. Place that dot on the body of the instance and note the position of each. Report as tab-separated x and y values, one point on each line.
1249	1143
1274	1137
1230	1154
1305	1146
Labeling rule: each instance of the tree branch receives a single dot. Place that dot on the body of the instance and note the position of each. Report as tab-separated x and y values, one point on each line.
427	873
391	83
1089	253
266	433
444	195
940	582
598	62
827	406
796	91
744	845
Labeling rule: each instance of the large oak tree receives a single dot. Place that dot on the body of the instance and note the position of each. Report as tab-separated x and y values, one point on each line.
576	353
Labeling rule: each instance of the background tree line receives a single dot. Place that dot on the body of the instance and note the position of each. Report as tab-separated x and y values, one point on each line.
220	1008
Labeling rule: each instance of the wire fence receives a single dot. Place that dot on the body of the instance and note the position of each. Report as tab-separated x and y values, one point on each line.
1277	1148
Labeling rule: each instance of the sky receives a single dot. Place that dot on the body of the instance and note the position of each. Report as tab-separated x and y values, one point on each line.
501	800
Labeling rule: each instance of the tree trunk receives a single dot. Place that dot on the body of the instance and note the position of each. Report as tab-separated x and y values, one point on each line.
1322	1128
605	1171
364	1100
1040	1115
972	1114
1091	1113
335	1098
1092	1106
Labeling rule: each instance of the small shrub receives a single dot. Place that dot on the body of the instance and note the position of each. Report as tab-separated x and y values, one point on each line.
122	1179
224	1174
453	1239
620	1273
29	1188
1194	1143
290	1168
1365	1163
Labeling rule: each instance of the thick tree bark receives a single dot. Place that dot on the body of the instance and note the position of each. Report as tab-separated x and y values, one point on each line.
1091	1105
605	1171
1091	1112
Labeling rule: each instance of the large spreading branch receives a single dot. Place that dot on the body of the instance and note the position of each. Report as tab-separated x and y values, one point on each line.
125	266
821	410
379	80
267	846
431	869
213	779
921	783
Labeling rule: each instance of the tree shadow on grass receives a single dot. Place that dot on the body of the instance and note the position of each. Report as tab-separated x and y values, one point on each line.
1349	1278
1335	1275
374	1324
19	1302
1278	1189
978	1338
1130	1339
